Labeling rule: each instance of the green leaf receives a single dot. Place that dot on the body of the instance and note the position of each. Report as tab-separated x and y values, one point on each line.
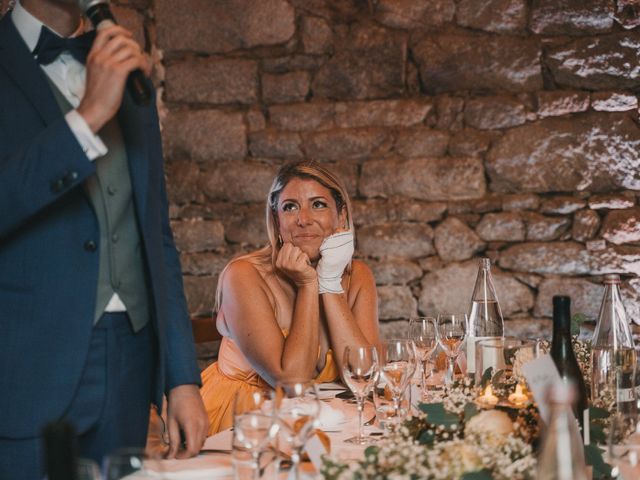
426	438
470	409
577	320
497	378
597	413
486	377
437	415
593	456
597	435
372	450
479	475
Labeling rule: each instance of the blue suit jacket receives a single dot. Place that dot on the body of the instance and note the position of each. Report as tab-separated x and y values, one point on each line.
48	272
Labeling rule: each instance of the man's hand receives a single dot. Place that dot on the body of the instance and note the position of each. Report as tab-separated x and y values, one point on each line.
113	56
185	411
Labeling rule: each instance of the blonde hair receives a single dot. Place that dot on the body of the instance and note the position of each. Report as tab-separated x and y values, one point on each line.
306	169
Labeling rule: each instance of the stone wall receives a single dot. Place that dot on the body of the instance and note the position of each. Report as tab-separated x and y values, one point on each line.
467	128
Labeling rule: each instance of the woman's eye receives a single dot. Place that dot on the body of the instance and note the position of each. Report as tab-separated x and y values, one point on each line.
319	204
287	207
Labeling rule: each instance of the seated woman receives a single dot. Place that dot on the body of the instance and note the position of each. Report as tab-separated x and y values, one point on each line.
287	311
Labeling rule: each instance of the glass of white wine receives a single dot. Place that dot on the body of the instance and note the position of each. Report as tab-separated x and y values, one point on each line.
451	330
360	370
397	365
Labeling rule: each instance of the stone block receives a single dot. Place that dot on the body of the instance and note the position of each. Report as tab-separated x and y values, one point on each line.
429	264
302	116
597	63
395	271
455	241
586	224
291	63
347	143
245	224
550	155
414	13
529	328
285	87
405	240
469	143
449	112
256	120
200	293
571	17
317	37
203	263
207	80
620	259
450	290
530	279
275	144
182	182
205	135
396	302
130	19
560	102
613	101
611	201
240	182
421	142
372	65
197	235
499	16
585	296
486	113
545	229
450	63
381	113
347	172
622	226
430	179
561	205
488	203
391	329
396	209
627	13
561	258
502	227
520	201
238	24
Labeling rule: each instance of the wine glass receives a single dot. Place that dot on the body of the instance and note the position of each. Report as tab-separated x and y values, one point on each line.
360	370
624	446
297	408
133	462
422	330
254	424
451	330
397	365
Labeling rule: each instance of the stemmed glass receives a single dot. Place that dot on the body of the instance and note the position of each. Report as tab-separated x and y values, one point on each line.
131	461
422	330
451	330
624	446
397	365
254	424
297	408
360	371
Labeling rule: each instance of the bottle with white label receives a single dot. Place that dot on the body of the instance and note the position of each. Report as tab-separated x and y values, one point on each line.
485	316
613	357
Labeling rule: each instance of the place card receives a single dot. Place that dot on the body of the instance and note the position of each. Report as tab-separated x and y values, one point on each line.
315	449
541	373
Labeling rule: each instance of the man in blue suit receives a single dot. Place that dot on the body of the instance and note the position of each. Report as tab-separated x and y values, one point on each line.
93	320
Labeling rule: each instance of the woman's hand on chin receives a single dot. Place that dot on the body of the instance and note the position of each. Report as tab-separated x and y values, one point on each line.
295	264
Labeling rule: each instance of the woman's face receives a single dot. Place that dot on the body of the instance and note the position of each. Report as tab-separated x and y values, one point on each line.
307	214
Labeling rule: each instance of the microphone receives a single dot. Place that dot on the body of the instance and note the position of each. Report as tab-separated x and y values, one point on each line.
99	13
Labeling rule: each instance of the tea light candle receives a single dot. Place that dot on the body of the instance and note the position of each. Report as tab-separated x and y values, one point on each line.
488	399
518	398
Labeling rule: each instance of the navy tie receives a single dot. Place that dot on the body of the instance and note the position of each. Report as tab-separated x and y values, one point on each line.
50	46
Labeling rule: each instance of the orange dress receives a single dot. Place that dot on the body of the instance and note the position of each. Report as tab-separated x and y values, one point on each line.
233	373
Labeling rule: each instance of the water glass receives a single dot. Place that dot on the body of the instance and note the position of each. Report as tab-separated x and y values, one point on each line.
397	365
451	330
503	354
386	413
422	330
624	446
360	370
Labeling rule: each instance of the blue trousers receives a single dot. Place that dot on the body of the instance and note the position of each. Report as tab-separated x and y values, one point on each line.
110	409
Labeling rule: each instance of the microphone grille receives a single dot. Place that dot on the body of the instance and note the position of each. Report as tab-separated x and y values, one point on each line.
87	4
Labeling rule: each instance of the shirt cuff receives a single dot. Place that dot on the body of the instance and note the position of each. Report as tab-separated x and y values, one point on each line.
90	143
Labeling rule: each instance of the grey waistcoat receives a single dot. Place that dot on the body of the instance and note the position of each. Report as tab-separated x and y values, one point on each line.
121	257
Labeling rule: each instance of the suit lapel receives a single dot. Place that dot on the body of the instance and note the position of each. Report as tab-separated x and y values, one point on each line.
131	118
17	61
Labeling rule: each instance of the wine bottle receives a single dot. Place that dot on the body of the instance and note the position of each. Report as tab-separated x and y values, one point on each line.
562	453
60	451
613	357
485	316
564	357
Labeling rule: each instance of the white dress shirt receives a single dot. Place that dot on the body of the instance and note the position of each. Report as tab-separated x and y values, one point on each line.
69	76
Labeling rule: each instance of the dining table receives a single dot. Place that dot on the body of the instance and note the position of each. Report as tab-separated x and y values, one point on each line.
216	459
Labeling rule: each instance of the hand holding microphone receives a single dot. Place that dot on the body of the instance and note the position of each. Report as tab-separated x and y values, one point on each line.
115	60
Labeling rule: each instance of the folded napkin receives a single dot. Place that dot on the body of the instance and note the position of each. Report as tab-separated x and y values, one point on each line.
202	467
331	417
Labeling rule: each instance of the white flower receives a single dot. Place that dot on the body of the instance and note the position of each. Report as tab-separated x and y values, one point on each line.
494	422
